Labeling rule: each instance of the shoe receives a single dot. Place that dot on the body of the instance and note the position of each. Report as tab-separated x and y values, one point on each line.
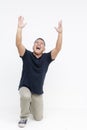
22	123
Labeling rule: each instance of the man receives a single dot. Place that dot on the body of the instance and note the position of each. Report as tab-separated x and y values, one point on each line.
35	66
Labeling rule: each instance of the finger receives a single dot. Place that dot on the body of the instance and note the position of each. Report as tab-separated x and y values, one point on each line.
60	23
25	24
56	29
20	18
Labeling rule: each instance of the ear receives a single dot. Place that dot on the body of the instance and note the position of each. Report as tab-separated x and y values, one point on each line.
44	48
33	47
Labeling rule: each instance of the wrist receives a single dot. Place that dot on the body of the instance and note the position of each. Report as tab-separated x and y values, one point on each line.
19	28
59	32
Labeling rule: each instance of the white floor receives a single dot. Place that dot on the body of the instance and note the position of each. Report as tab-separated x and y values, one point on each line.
59	119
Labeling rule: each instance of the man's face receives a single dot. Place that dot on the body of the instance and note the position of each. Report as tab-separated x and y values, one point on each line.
39	47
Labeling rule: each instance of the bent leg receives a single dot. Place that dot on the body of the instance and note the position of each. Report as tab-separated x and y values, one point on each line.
25	98
37	106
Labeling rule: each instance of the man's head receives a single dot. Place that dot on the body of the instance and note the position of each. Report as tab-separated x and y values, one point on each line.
39	46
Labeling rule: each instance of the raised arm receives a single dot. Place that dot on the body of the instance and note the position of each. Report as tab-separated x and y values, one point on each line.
20	46
58	46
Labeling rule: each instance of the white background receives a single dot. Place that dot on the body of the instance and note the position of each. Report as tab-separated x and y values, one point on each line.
65	87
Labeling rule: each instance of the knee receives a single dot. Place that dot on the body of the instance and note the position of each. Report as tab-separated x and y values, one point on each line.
38	118
25	93
25	96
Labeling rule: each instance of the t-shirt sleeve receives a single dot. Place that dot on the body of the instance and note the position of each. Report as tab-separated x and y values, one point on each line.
49	58
25	54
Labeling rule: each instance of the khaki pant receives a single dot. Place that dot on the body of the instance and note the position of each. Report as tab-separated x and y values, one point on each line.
30	103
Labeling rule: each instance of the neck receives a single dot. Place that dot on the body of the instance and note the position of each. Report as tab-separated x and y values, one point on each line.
37	55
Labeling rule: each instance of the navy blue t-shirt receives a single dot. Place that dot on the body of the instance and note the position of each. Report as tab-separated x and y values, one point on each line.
34	71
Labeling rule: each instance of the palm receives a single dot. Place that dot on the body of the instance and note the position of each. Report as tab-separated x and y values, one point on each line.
21	23
59	28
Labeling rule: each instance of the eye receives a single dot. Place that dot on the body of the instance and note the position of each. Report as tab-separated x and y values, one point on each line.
36	41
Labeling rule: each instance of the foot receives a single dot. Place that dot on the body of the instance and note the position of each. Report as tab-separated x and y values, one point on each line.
22	123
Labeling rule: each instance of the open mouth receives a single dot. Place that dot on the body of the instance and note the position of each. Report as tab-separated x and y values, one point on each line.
38	48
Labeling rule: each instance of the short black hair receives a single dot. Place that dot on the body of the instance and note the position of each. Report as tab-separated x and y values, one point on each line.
40	39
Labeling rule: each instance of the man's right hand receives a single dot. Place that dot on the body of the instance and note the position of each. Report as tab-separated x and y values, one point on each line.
20	46
21	23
